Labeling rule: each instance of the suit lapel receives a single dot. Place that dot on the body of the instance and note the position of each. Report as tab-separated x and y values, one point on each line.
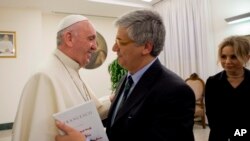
141	89
118	93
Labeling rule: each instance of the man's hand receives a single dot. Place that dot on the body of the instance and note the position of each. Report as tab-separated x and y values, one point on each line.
70	133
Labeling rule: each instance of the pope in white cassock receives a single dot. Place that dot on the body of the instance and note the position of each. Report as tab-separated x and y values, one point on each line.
57	85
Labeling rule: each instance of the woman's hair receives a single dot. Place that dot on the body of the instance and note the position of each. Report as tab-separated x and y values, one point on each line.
240	45
144	26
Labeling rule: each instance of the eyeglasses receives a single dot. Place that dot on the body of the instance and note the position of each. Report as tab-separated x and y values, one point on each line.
123	43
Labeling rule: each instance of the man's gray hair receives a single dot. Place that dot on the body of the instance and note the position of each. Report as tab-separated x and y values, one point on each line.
144	26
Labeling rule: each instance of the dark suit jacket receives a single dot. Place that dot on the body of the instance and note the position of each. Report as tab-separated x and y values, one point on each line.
160	108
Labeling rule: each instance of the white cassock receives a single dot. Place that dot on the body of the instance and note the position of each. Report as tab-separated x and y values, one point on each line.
56	87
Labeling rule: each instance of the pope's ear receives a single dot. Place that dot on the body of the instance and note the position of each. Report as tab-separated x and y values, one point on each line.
68	38
148	47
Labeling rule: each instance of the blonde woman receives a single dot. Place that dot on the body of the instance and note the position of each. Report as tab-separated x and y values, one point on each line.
227	93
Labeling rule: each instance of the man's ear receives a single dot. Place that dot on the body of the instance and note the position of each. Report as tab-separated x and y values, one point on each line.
148	47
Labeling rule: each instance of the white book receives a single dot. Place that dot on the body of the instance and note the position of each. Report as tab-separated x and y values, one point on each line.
85	119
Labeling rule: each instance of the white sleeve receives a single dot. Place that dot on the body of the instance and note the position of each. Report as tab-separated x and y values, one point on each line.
34	120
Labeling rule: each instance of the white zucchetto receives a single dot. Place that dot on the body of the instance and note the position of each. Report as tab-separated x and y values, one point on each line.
70	20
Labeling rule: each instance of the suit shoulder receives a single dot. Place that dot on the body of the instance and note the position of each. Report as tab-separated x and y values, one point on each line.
171	77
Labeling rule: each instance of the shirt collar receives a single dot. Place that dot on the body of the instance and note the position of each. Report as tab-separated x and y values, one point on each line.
136	76
67	60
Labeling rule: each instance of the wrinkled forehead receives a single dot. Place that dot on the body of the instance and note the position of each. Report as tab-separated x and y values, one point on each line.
122	33
85	28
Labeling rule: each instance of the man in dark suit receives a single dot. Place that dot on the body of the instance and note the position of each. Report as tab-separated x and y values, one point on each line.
159	106
156	105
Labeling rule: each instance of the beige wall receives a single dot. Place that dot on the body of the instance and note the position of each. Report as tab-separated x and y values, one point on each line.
35	40
15	71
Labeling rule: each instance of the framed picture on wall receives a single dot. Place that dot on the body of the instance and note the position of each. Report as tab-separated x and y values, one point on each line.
7	44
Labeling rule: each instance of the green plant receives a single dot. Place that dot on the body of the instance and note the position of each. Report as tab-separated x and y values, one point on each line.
116	72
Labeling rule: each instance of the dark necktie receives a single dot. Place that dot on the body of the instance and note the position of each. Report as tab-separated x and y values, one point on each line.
128	84
127	87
